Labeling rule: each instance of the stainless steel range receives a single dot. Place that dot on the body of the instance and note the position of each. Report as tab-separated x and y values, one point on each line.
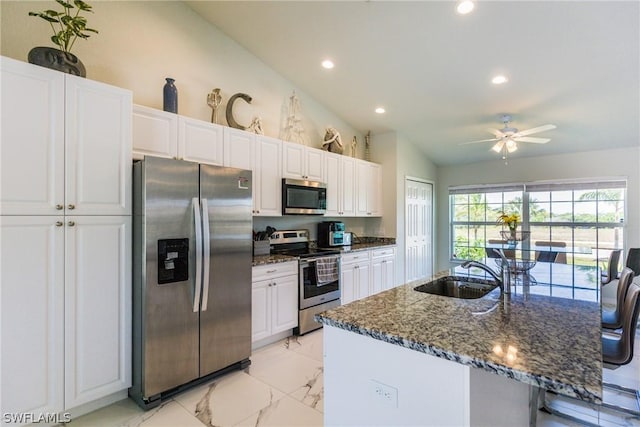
319	276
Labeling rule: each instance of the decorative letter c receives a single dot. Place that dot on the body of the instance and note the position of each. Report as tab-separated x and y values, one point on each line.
230	119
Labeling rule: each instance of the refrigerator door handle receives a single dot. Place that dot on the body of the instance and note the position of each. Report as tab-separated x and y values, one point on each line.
206	245
197	222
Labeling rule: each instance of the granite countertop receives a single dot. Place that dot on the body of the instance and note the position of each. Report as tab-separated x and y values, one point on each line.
365	244
545	341
272	259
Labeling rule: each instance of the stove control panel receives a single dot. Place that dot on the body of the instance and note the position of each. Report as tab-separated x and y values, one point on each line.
289	236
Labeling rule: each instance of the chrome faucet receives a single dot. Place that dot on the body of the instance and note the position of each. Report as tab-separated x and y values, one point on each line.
504	279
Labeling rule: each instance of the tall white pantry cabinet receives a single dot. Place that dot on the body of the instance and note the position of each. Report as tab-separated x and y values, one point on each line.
65	184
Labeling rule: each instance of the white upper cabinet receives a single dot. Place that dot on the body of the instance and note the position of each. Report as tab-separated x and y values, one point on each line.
369	189
66	144
341	182
302	162
155	133
32	155
98	148
162	134
199	141
239	149
267	177
262	155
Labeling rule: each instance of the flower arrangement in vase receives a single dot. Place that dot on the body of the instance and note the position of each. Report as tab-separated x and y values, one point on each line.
511	221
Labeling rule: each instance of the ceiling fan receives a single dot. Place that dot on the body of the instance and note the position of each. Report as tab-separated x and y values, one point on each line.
507	137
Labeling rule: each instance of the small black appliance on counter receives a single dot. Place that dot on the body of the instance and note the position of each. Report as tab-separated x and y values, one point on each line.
331	233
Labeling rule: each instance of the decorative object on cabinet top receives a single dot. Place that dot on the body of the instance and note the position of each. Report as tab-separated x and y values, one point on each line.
214	99
256	126
332	141
354	144
293	130
230	120
367	146
170	96
67	26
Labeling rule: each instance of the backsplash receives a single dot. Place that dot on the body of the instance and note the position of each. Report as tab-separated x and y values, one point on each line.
359	226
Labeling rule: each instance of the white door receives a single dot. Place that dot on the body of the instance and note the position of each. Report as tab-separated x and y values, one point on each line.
314	164
32	314
293	159
334	182
32	135
97	307
200	142
260	310
348	283
267	177
284	303
418	229
363	277
98	148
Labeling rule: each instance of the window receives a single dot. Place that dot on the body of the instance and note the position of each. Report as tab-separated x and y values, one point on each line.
583	220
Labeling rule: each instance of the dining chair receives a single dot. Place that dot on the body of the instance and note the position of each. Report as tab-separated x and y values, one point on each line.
561	257
633	260
612	318
509	253
612	267
617	348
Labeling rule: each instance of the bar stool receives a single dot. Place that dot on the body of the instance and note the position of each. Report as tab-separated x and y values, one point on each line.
612	267
633	260
613	318
617	347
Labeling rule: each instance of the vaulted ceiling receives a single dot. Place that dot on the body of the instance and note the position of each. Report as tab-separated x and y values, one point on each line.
574	64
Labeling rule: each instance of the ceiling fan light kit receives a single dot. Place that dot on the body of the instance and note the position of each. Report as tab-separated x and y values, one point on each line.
508	137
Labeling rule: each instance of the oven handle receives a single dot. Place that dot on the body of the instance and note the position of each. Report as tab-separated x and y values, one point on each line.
310	260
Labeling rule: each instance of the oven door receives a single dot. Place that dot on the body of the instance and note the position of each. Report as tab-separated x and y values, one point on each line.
319	280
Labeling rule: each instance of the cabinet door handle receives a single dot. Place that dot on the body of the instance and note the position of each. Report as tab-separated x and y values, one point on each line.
271	271
71	207
71	223
59	223
59	207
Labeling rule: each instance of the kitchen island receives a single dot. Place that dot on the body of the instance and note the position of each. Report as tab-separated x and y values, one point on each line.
404	357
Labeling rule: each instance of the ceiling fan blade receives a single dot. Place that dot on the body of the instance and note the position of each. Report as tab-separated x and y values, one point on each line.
534	130
532	139
482	140
496	132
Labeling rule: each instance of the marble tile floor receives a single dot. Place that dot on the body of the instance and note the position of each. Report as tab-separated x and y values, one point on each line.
284	387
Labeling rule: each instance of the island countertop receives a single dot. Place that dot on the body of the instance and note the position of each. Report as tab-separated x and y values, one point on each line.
553	343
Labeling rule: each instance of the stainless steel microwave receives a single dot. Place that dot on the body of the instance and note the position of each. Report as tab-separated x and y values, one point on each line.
301	197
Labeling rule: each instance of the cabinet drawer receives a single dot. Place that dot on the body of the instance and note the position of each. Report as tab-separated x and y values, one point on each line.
270	271
382	252
358	256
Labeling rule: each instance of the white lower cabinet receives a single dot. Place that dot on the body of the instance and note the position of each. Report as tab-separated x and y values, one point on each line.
274	303
355	271
66	311
383	269
97	308
365	273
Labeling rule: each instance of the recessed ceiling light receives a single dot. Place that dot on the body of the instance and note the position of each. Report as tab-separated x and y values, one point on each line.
465	6
328	64
498	80
380	110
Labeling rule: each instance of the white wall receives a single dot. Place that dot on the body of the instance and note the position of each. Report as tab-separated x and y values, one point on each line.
142	42
400	159
609	163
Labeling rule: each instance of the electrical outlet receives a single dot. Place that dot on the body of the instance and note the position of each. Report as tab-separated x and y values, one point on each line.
384	393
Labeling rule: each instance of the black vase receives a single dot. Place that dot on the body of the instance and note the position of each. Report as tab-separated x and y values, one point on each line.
57	60
170	96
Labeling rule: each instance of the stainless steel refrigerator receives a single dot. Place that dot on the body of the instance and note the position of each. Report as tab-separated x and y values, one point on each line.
192	262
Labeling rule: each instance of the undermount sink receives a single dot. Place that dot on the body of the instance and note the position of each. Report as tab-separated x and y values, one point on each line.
458	287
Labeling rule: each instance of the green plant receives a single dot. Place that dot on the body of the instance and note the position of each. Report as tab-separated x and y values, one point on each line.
67	25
